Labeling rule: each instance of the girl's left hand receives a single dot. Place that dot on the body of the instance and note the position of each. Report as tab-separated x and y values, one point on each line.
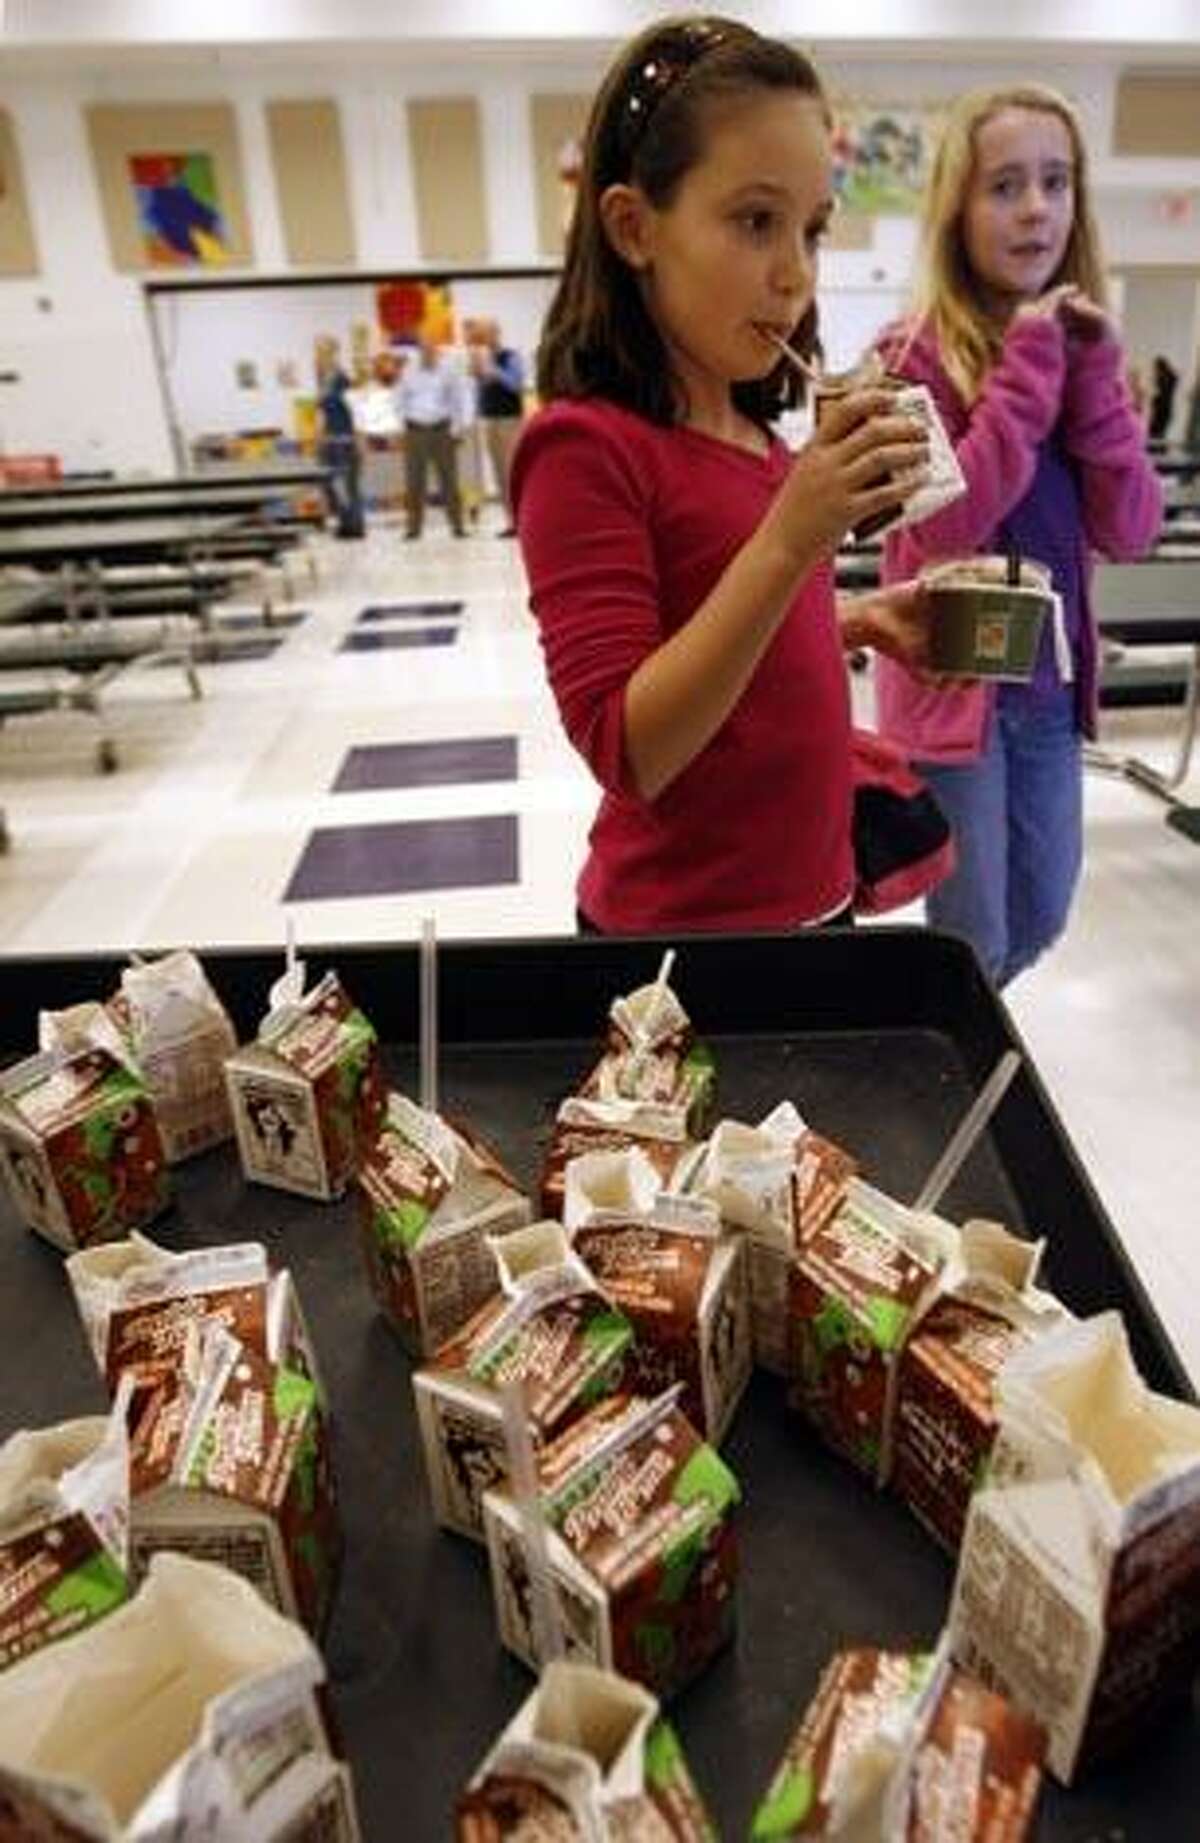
1082	320
894	621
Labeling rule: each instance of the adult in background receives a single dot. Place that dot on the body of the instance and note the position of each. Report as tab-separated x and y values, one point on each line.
429	400
500	376
337	443
1162	398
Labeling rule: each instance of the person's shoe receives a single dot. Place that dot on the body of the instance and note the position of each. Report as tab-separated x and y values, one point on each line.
509	531
410	537
459	532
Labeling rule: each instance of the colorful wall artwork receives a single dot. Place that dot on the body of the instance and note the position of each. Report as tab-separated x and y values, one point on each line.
881	157
178	210
408	309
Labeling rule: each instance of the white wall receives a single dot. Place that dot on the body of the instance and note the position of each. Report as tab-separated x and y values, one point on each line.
78	334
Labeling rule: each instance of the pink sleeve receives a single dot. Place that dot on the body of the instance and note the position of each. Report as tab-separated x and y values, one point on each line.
997	447
1120	489
583	520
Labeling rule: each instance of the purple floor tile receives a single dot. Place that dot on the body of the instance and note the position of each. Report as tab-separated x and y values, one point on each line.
409	611
421	854
382	639
428	764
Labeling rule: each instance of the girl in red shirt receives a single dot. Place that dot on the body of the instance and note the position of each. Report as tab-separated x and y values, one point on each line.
679	557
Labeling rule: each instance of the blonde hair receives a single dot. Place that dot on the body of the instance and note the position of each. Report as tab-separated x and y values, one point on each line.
947	293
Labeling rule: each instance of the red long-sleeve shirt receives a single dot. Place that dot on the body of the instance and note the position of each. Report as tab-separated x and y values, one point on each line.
625	528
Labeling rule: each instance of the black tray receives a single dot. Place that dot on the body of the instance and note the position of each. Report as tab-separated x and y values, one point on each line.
881	1038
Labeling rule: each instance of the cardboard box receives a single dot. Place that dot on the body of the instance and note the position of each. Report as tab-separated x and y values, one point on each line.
778	1183
903	1749
307	1095
191	1712
548	1328
641	1539
430	1194
1078	1587
588	1756
80	1147
651	1055
945	1415
682	1286
858	1285
64	1531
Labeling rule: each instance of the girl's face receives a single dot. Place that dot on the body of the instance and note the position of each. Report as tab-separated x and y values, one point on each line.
736	250
1020	203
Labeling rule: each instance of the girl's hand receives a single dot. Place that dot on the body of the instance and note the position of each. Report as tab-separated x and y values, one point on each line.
1047	306
861	460
1084	322
894	621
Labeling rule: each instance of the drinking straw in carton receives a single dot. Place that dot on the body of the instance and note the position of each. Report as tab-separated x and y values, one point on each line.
651	1054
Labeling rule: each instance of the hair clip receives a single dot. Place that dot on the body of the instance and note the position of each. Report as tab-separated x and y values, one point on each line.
681	50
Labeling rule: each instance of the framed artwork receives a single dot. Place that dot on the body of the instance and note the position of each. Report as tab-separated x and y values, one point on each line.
170	182
408	307
18	252
179	213
881	157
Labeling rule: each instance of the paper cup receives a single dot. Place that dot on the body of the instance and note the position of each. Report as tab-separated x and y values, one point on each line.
984	627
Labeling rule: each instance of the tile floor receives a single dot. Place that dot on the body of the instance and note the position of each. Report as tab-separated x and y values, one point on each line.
442	746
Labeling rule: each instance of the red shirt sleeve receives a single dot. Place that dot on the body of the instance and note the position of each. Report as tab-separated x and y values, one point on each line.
583	517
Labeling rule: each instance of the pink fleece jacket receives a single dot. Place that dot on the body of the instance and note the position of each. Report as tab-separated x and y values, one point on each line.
1040	381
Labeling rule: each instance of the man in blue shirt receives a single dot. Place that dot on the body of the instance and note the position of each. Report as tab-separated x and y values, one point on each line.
500	376
430	402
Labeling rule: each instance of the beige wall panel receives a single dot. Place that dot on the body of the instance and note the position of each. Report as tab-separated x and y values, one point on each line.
117	130
18	252
310	179
1158	115
555	122
446	145
850	230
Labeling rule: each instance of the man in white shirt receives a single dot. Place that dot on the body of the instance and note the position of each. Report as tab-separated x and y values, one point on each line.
430	405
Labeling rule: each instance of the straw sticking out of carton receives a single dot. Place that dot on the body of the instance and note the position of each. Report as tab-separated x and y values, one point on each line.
794	358
548	1637
429	1022
968	1132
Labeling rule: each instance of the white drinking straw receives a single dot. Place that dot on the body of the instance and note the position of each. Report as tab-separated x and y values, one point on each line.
794	358
548	1637
429	1022
971	1126
657	991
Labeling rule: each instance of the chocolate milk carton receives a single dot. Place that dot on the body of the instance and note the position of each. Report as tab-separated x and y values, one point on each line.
584	1125
431	1193
945	1417
1078	1587
307	1095
64	1531
137	1301
230	1463
169	1024
641	1542
80	1147
192	1712
904	1749
548	1328
858	1286
777	1182
681	1284
651	1055
588	1756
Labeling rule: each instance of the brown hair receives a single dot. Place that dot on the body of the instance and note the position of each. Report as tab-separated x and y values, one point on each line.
647	128
947	294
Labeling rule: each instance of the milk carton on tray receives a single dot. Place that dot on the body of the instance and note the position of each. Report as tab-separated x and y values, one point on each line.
548	1328
899	1748
776	1183
588	1124
587	1759
64	1531
1078	1587
641	1538
651	1055
307	1093
191	1713
682	1284
431	1192
81	1151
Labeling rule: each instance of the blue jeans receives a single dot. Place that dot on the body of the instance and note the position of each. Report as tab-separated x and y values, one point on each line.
1017	816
